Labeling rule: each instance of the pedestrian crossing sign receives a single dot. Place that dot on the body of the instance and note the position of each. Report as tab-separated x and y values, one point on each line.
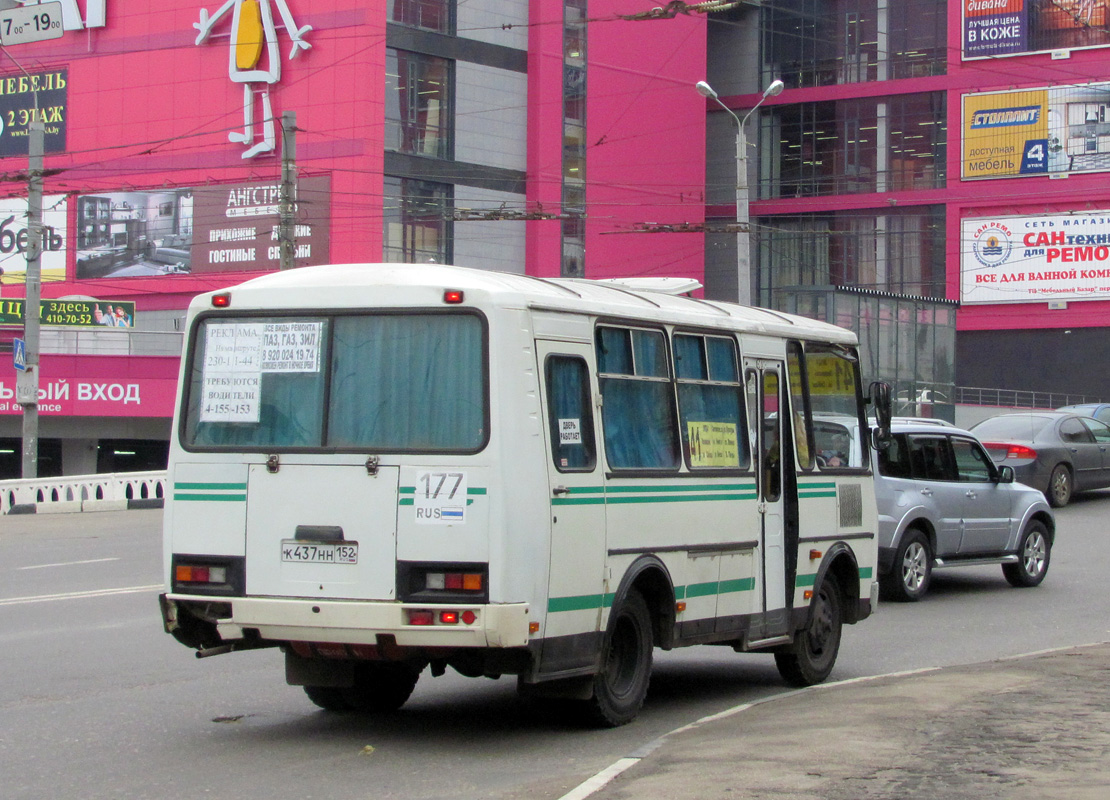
19	354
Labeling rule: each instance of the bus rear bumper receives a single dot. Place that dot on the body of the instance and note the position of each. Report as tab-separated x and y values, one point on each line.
363	622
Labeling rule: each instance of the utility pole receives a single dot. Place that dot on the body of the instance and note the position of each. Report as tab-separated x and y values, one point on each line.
287	207
27	382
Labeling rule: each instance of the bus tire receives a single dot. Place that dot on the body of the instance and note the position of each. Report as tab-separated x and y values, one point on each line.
621	685
811	657
329	698
381	686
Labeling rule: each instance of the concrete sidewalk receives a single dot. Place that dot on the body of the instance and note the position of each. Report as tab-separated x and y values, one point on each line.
1031	727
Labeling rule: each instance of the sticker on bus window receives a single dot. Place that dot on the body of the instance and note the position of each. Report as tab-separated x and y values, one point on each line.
229	397
570	431
291	346
230	374
713	444
440	498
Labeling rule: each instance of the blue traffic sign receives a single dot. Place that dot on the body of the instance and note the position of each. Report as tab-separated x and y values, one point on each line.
19	354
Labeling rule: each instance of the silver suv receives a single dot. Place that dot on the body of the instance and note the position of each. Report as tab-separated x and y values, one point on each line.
943	503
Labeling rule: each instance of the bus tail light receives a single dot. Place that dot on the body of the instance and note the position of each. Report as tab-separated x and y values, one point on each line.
187	573
221	300
455	581
453	297
428	616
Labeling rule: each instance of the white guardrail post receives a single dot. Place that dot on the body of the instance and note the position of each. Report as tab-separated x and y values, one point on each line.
105	492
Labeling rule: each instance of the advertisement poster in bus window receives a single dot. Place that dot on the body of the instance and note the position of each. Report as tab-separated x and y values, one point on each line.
1055	130
994	28
237	355
1036	258
713	444
198	230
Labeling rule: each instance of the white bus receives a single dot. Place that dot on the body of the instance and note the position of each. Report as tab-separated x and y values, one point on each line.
382	468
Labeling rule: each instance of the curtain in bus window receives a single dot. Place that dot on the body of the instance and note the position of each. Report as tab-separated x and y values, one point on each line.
639	424
571	417
414	382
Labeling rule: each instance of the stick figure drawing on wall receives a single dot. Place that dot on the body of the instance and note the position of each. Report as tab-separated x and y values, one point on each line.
255	59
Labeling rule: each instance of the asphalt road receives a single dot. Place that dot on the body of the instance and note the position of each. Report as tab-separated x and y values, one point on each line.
97	702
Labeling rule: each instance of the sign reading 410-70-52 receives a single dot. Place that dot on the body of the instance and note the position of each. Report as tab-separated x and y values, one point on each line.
33	23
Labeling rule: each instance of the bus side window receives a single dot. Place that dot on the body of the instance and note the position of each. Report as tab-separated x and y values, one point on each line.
799	405
570	414
710	404
638	416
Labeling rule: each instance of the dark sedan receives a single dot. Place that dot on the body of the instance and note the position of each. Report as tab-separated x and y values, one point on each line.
1057	452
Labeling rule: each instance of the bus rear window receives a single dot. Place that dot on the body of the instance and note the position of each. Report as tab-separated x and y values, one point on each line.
382	382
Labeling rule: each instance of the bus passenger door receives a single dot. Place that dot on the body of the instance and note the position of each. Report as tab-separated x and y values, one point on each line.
576	580
775	481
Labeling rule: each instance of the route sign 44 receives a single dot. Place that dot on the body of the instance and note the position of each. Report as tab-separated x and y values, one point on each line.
31	23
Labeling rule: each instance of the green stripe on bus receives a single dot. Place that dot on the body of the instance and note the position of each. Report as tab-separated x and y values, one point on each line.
806	580
807	495
697	498
737	585
865	573
216	498
587	602
704	487
818	485
228	486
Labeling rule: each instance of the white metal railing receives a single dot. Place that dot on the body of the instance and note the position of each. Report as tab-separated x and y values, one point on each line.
76	490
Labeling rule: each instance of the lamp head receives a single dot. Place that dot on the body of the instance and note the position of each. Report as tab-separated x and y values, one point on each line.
705	90
774	89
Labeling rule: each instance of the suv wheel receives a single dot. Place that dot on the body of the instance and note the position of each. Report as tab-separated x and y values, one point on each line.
913	567
1033	553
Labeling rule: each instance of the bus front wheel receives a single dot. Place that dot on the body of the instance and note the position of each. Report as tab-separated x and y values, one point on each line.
811	657
621	685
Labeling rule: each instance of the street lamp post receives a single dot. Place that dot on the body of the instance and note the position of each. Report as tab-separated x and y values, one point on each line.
743	228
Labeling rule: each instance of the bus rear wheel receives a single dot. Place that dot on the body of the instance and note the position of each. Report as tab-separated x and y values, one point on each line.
621	685
811	657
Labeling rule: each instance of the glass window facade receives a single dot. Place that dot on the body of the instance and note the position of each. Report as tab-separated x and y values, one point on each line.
823	43
417	221
574	139
853	146
418	106
429	15
901	252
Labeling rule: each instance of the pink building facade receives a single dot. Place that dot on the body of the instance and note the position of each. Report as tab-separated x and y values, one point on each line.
531	137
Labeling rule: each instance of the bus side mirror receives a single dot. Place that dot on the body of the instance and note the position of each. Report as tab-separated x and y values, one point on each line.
881	402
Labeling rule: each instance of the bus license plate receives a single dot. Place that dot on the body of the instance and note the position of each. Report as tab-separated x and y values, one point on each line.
319	552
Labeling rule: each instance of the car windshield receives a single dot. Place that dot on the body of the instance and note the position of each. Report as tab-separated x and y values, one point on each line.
1023	426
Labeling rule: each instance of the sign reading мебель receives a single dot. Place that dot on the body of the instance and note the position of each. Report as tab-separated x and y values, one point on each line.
72	313
995	27
1054	130
198	230
1035	259
14	237
26	98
